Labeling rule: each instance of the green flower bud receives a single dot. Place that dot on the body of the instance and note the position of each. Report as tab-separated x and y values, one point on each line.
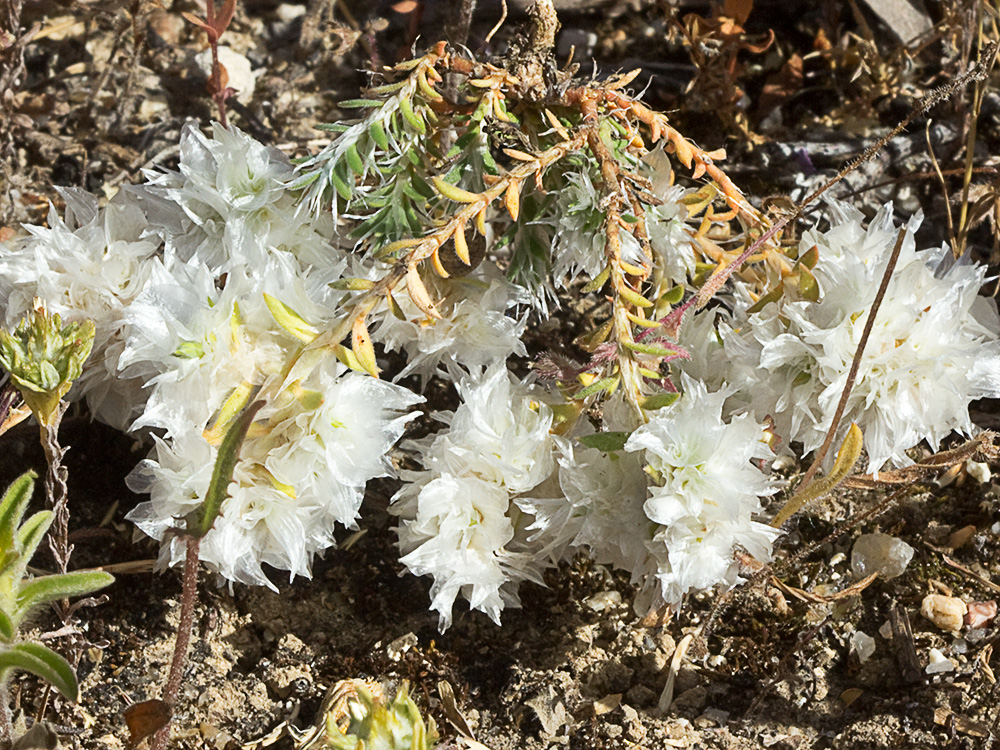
44	357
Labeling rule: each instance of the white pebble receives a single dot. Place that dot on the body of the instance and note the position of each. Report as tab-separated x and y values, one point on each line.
938	662
863	645
880	553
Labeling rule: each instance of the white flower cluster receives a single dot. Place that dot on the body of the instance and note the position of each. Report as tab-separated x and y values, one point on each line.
933	348
474	331
204	284
673	507
311	450
207	283
499	497
459	524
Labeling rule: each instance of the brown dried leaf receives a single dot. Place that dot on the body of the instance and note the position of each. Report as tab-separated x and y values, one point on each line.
145	719
418	292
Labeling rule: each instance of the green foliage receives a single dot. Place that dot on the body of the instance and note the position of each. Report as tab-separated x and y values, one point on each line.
569	177
44	357
20	594
201	519
376	724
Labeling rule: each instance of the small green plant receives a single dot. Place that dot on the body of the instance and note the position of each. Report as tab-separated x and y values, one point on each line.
368	722
44	358
20	594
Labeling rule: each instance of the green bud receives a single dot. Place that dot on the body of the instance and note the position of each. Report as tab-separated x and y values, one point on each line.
44	357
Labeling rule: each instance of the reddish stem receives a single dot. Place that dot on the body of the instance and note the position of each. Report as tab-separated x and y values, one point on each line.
189	597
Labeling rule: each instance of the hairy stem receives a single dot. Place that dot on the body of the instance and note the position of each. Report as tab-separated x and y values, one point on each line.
56	491
189	597
6	720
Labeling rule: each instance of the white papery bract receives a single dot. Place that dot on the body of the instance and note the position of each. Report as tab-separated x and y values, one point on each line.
91	265
310	452
229	204
705	492
933	348
598	508
475	330
456	516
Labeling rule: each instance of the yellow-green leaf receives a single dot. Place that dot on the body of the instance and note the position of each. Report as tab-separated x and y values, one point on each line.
454	192
847	456
361	343
290	320
634	297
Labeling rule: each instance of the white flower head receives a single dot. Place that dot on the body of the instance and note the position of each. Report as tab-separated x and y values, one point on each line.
477	327
456	515
932	350
229	204
312	448
706	489
91	265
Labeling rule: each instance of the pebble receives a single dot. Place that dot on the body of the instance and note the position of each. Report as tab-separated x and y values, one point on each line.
938	662
604	600
947	612
880	553
863	645
980	614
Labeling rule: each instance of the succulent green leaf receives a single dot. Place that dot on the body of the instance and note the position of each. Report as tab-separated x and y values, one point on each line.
607	384
42	662
598	281
290	320
354	160
772	296
352	285
673	295
340	183
634	297
333	127
810	258
411	117
359	103
606	442
808	286
199	521
378	134
653	349
62	586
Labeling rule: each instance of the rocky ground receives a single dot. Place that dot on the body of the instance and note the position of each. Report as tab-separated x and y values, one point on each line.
104	92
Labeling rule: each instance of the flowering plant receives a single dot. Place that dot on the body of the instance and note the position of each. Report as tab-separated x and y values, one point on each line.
434	236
